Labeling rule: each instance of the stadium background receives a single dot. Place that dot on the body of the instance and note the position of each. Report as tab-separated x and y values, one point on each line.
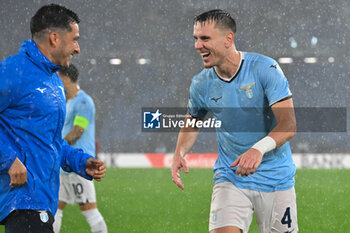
159	34
153	40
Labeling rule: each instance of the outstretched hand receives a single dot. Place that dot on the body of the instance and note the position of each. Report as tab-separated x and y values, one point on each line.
248	162
178	163
18	174
95	168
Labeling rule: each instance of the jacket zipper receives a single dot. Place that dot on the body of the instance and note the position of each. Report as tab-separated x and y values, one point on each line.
58	122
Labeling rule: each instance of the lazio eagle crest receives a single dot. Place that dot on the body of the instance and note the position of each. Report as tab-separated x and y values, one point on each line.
248	91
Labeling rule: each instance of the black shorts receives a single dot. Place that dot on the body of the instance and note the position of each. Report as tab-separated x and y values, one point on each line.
29	221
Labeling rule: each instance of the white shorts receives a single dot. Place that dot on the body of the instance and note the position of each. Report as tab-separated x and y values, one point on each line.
76	189
231	206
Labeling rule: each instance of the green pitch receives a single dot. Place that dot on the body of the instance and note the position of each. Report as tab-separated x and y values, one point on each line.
146	200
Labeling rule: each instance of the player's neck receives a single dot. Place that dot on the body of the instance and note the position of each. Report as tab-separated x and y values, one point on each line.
230	65
72	91
44	49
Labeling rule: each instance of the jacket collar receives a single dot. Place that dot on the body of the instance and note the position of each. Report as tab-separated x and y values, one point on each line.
37	57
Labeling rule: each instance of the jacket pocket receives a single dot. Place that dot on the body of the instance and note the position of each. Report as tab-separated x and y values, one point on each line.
30	185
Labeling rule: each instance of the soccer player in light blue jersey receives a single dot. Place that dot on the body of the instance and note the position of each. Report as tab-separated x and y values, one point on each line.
249	94
78	131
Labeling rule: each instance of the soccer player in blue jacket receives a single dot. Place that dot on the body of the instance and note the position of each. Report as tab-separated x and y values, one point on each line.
249	94
32	114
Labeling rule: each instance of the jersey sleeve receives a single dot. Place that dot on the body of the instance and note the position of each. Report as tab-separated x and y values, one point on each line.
274	82
84	113
196	106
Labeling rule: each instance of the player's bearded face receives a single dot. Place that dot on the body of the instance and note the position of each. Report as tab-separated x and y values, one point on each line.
68	46
209	43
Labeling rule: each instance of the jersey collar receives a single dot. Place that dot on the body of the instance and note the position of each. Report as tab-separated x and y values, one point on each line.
228	80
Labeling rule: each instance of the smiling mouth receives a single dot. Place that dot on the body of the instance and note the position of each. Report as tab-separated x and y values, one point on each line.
204	55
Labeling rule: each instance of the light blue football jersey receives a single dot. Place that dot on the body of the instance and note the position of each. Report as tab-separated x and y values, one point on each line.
81	105
243	106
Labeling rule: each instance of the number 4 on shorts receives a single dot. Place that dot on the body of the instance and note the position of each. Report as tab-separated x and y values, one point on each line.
286	218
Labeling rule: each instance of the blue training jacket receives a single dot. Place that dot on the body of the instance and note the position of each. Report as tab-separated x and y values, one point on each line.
32	114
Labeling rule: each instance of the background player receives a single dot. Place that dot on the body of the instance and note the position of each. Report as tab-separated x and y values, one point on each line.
254	171
78	131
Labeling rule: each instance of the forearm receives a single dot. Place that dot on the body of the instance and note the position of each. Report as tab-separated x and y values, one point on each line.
282	133
186	139
276	138
74	135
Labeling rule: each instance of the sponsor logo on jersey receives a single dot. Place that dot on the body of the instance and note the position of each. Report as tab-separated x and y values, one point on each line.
277	67
215	99
248	90
41	90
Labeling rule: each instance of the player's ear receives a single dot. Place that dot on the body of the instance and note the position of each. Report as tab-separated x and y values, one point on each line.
230	37
54	38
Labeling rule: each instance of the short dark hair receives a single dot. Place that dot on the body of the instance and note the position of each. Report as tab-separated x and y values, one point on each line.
71	72
220	17
52	16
